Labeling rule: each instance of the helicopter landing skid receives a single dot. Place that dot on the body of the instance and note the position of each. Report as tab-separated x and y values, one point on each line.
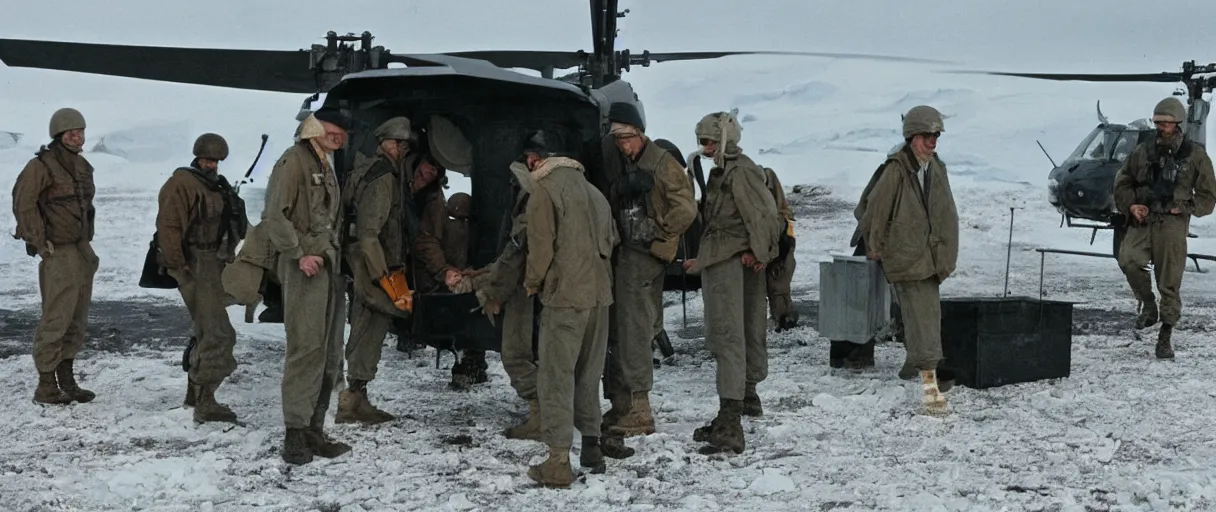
1066	220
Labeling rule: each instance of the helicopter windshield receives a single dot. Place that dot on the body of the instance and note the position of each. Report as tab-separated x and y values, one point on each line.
1105	145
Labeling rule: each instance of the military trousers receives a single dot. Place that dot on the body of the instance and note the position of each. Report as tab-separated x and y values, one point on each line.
572	350
65	280
518	358
369	322
1161	241
921	308
735	325
202	290
368	328
637	308
779	277
314	318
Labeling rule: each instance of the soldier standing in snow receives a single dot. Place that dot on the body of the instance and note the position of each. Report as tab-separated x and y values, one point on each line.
653	206
1161	185
53	206
570	242
742	227
780	274
911	225
302	216
376	253
195	239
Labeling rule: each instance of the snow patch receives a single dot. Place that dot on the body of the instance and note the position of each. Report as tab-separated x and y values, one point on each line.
150	142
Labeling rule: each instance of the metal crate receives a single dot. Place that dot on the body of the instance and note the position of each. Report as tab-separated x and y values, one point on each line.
854	299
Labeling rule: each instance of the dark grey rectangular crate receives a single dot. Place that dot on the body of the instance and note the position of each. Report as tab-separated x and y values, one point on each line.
994	341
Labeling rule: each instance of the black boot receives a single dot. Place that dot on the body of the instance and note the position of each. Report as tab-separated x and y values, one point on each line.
592	458
613	446
1165	350
295	447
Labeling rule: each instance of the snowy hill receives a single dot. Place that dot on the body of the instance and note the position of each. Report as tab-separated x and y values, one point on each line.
1124	432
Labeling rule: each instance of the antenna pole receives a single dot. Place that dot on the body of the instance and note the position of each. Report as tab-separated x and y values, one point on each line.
1009	252
1049	159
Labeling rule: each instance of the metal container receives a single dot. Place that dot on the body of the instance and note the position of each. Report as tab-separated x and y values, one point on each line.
854	299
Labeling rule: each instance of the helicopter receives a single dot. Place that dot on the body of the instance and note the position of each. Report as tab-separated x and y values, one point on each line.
471	108
1082	186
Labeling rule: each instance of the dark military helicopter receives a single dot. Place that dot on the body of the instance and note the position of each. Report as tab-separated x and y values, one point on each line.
471	109
1082	186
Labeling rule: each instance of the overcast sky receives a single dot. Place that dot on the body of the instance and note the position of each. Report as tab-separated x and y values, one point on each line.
1024	35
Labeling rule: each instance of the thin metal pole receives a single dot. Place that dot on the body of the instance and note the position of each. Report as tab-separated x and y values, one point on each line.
1042	261
1009	251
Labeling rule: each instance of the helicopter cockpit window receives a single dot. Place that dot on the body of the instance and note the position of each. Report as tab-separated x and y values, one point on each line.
1123	148
1105	146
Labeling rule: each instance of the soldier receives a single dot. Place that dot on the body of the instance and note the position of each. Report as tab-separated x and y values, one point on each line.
302	215
455	241
1160	187
195	240
570	242
53	206
780	273
742	226
910	225
430	210
499	287
372	197
653	206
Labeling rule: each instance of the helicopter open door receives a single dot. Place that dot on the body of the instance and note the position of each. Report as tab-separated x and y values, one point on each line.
491	114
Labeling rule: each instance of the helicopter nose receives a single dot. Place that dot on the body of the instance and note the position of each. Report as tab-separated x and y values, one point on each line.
1053	192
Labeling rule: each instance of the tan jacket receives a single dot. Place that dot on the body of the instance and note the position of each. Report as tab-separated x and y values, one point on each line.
378	233
303	208
190	216
670	200
916	238
740	214
783	206
53	198
571	236
1195	191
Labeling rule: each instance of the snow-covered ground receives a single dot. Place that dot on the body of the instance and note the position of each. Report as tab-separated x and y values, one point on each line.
1123	432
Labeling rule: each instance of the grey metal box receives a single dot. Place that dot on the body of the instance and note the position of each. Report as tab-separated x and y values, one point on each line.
854	299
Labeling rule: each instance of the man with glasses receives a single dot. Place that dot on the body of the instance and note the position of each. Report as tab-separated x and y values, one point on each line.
1161	185
653	204
374	246
911	226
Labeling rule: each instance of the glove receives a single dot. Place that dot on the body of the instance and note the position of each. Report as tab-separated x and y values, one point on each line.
665	250
398	290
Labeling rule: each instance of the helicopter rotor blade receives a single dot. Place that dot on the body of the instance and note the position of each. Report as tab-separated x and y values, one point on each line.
1084	77
527	59
677	56
266	70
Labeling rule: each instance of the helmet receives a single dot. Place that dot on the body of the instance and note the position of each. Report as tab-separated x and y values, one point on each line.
541	142
1169	109
66	119
458	205
397	128
211	146
922	119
